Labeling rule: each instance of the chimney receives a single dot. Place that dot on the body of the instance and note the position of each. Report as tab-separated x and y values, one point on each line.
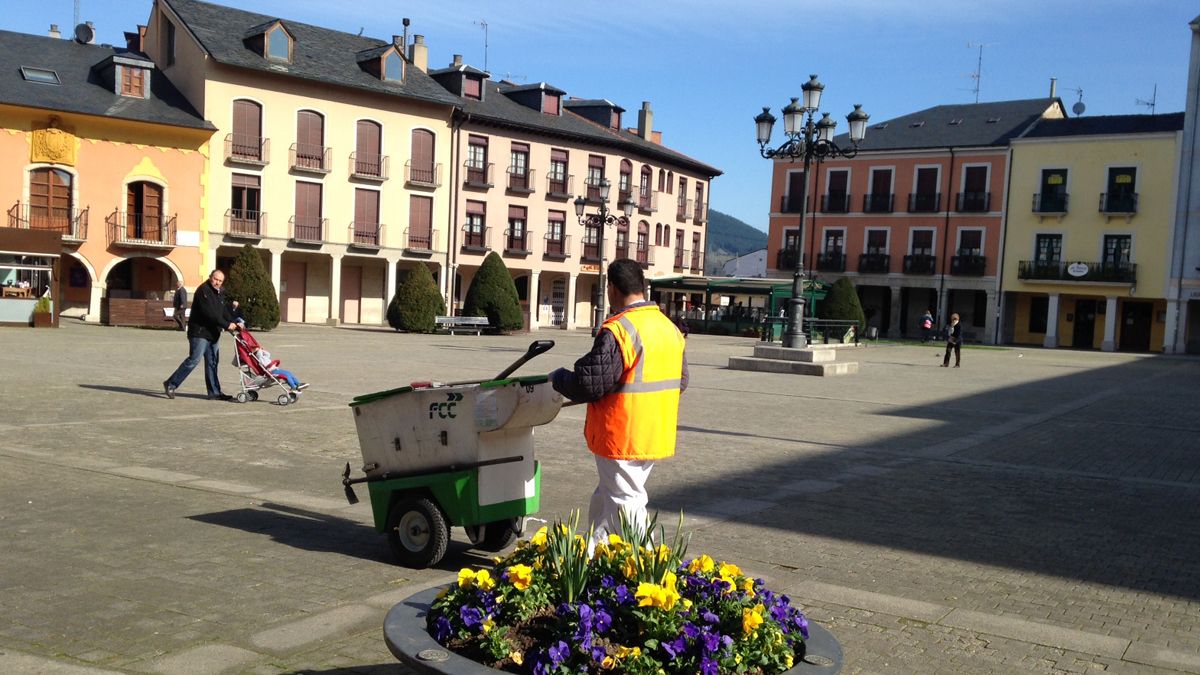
645	121
136	41
403	45
457	61
54	32
419	53
1053	87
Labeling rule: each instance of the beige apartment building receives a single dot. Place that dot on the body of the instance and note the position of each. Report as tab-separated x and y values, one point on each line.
346	161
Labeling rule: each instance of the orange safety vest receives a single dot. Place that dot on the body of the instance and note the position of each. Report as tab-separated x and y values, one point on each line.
638	419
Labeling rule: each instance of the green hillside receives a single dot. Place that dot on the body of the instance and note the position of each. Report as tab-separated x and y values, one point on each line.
729	237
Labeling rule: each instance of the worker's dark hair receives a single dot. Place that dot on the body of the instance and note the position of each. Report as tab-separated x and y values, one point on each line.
626	276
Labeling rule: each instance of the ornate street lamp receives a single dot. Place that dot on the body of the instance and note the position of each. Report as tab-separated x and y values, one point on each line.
600	221
806	140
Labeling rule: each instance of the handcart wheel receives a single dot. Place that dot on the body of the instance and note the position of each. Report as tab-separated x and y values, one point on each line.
417	532
253	395
283	399
241	397
499	535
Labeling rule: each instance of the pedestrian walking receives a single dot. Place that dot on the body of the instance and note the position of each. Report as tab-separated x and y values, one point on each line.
179	302
953	342
926	326
209	317
631	381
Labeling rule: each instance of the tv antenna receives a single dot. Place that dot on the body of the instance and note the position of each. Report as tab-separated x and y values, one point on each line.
1079	105
513	77
484	25
1151	103
76	23
977	76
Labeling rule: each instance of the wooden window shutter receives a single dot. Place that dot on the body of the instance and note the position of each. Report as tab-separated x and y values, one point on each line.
368	141
420	217
366	209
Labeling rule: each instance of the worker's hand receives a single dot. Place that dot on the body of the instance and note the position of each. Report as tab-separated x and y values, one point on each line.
232	327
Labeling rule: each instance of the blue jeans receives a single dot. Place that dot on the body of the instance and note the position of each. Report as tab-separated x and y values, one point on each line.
287	376
199	349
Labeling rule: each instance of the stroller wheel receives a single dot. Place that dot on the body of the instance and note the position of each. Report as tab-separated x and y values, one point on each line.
242	397
293	396
283	399
253	395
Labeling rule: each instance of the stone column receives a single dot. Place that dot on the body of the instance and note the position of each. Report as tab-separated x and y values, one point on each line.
277	274
389	285
893	327
1051	322
535	300
335	290
1110	325
989	321
569	310
93	315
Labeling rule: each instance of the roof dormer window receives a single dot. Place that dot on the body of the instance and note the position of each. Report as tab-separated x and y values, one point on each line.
43	75
552	103
134	81
279	44
393	66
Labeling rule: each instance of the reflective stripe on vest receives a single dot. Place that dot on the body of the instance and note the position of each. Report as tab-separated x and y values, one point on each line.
638	419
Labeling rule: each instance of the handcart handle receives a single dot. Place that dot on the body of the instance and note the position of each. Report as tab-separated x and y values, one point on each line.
535	348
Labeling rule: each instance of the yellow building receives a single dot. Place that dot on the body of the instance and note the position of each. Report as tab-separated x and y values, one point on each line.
97	147
1089	222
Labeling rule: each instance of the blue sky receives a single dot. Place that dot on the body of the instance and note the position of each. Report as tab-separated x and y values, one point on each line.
708	66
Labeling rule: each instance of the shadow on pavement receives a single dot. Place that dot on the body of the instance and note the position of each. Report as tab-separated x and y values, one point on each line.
374	669
156	392
1092	476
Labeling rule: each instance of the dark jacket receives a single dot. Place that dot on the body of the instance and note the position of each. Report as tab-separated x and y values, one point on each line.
179	301
210	316
954	333
599	371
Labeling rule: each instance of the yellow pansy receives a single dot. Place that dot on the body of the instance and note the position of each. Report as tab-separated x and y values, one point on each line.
687	604
702	564
484	580
517	657
788	661
601	551
615	540
608	663
729	570
622	651
466	576
664	552
751	619
521	576
630	568
539	538
653	595
488	624
668	580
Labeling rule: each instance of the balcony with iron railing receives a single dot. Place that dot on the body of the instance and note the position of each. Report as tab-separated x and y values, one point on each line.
70	223
591	191
680	256
1119	203
1095	272
623	250
371	167
831	261
475	238
624	196
920	263
1054	203
140	230
700	213
835	202
973	202
420	241
925	202
683	208
560	186
590	252
874	263
968	264
792	204
516	244
556	246
647	201
243	224
878	203
247	149
308	229
697	265
785	259
477	175
310	158
423	174
642	255
521	182
366	235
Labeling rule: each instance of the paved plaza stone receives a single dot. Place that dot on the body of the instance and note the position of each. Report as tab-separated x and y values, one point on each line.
1031	512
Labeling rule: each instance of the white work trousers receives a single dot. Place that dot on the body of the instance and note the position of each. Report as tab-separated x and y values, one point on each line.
622	488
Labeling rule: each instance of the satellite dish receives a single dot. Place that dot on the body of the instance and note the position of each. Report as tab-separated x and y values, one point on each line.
84	34
1078	108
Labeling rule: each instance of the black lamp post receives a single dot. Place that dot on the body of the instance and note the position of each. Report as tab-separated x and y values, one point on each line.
807	140
600	221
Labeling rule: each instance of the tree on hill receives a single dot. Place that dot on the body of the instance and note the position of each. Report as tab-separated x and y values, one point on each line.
841	303
417	302
249	283
494	294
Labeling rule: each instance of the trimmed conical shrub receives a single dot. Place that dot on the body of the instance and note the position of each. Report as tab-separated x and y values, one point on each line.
841	303
494	294
417	302
249	283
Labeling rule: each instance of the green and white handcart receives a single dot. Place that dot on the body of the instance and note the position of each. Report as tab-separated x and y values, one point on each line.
457	454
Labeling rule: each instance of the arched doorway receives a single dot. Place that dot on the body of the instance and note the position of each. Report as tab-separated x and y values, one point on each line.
75	287
140	278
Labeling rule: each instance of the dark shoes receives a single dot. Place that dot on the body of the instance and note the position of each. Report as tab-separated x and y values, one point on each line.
168	389
220	397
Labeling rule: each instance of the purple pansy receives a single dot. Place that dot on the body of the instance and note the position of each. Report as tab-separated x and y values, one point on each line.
470	616
558	652
708	666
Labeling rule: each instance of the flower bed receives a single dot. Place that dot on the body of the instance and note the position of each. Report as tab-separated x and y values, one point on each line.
632	606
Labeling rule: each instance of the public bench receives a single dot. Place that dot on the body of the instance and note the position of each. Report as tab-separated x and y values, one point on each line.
462	324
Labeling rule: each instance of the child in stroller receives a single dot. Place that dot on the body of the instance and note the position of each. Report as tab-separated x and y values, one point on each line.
259	371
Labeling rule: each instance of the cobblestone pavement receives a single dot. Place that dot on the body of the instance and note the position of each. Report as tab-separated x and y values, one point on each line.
1031	512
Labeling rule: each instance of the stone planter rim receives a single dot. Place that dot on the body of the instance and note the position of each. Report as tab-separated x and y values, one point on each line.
406	637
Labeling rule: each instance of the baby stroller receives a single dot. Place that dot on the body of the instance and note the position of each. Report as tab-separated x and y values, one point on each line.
254	375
